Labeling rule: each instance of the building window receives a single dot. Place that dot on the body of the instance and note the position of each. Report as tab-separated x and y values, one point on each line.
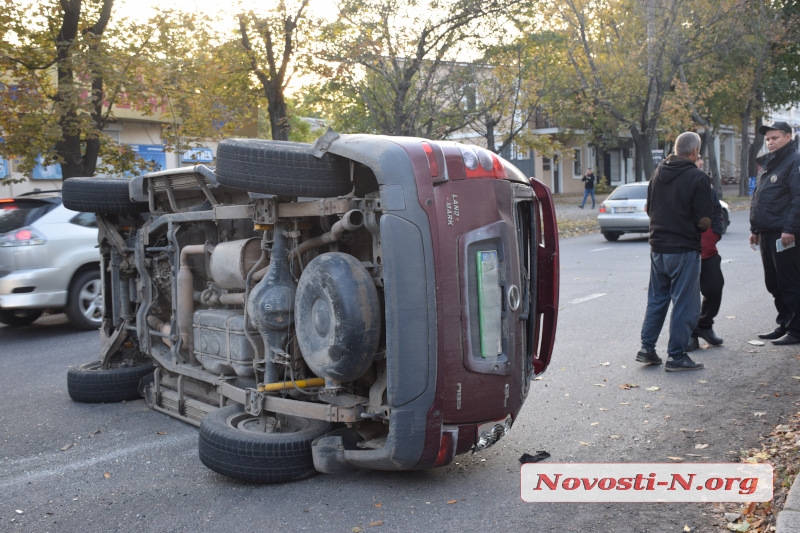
577	171
518	153
545	163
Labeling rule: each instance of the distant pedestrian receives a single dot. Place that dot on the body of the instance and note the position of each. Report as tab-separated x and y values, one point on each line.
711	279
775	225
588	180
679	207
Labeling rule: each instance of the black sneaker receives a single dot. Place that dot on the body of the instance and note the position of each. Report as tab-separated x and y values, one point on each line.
680	363
648	357
709	336
693	344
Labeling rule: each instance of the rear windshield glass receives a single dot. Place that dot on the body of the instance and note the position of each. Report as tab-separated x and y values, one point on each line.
21	213
629	193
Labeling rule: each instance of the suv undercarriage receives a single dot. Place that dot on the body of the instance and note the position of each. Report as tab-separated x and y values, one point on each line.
365	302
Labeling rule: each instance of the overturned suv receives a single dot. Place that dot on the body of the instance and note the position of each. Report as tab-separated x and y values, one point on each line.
365	302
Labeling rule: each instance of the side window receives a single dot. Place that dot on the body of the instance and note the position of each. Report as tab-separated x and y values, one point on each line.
577	171
87	220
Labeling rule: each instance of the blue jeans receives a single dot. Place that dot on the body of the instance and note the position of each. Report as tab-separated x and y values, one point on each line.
673	278
587	192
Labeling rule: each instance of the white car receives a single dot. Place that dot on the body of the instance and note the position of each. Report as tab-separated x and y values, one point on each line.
624	211
49	261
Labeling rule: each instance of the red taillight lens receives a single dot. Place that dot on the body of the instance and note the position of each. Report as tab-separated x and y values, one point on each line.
434	166
602	208
24	235
447	446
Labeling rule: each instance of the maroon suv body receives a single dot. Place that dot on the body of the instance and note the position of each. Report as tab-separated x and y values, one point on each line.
368	302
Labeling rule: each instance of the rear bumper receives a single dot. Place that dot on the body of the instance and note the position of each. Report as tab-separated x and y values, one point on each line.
632	224
32	288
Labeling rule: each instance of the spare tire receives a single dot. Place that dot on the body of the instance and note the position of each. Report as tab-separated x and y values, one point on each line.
100	195
281	167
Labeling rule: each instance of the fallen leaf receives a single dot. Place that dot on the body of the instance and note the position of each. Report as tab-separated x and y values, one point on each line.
67	447
795	377
93	433
652	389
378	522
378	505
687	529
756	343
584	443
759	414
702	381
667	417
624	403
603	409
356	530
594	423
452	501
538	379
106	475
675	458
749	509
731	316
627	386
599	384
605	364
741	527
613	436
161	432
19	511
700	446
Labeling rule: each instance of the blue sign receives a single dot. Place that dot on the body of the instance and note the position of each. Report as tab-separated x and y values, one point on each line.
3	168
153	153
198	155
52	172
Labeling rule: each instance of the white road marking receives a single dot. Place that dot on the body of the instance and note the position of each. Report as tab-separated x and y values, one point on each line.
600	249
23	474
587	298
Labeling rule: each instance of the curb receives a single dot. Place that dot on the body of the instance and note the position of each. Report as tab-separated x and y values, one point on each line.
789	518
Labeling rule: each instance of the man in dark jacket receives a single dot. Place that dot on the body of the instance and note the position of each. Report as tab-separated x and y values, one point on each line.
775	225
679	206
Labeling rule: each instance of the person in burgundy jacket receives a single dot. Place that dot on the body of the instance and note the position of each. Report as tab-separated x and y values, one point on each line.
711	279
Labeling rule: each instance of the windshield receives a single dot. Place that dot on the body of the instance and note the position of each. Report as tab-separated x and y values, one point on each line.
633	192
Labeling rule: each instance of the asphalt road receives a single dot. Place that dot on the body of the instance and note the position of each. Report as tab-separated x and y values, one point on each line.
68	467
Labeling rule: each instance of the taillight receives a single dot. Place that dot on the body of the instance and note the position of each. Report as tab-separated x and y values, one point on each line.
602	208
447	446
432	164
481	163
22	237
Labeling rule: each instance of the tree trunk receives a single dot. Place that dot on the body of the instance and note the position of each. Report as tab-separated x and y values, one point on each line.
744	154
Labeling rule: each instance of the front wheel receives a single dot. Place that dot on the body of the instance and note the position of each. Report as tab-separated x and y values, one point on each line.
19	317
89	383
266	449
610	236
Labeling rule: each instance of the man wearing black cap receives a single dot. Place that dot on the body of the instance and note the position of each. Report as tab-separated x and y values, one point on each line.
775	225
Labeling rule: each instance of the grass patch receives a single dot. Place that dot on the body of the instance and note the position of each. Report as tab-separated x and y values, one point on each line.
573	227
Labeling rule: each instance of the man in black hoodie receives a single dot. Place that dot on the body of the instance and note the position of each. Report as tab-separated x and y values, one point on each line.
775	225
680	210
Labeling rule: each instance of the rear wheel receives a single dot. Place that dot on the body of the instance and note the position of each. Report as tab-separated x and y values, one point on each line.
19	317
279	167
88	383
611	236
85	301
265	449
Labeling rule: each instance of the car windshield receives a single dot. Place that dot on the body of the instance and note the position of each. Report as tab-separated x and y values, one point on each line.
19	213
635	192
